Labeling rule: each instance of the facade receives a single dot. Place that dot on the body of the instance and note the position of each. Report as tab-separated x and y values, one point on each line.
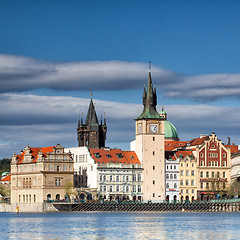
149	146
187	176
109	174
235	166
91	134
172	179
39	174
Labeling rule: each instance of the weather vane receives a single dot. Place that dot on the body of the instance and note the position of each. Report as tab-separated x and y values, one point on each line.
149	66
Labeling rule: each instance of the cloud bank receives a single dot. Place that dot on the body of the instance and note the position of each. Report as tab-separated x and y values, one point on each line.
48	120
22	73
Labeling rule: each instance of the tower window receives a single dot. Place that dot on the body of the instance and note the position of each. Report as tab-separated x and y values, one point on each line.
153	167
153	182
153	153
153	138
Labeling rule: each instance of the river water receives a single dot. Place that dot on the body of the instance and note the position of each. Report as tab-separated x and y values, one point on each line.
120	225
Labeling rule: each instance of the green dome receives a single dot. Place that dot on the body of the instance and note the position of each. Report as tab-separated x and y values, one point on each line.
170	130
163	112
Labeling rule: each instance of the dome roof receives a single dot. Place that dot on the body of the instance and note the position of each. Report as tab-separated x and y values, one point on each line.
170	130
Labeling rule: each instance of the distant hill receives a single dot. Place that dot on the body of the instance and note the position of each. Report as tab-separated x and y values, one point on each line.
4	165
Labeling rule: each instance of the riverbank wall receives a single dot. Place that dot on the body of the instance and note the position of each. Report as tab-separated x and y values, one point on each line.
149	207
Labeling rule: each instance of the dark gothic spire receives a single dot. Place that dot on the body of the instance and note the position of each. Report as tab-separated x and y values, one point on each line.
149	101
91	115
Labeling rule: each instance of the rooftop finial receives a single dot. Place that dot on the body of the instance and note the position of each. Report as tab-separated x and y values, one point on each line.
149	66
91	94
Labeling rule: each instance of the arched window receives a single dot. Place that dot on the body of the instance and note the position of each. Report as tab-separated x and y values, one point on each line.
171	176
175	185
134	188
117	189
34	198
26	198
19	198
110	188
117	178
139	188
134	177
58	197
49	197
167	176
23	198
110	178
30	198
175	176
127	188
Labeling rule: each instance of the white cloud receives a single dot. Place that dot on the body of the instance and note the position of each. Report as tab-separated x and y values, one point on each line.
48	120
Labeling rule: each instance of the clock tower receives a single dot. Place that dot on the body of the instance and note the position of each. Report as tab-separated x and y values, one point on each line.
149	145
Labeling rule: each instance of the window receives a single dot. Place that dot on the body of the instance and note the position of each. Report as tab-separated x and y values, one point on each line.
100	188
201	185
175	176
57	168
127	188
101	178
213	155
187	164
153	153
117	178
207	174
104	188
212	174
181	191
110	189
153	138
187	182
224	164
153	182
224	174
187	173
202	163
181	182
193	183
174	167
216	164
224	185
110	178
117	189
224	155
153	167
181	164
171	176
123	188
91	168
175	185
182	173
134	177
134	188
127	178
139	177
218	175
170	167
167	176
192	191
193	173
139	188
167	185
192	164
153	194
201	155
187	191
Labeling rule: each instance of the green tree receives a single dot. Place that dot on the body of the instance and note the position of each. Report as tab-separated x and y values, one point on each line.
5	165
69	190
234	188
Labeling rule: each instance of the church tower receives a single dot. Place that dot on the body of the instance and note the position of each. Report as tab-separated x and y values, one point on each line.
149	145
92	134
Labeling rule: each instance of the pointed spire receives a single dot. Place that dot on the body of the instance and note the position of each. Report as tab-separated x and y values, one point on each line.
91	115
105	124
149	100
79	120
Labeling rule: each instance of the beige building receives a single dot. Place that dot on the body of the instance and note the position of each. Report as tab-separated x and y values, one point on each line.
39	174
187	176
149	146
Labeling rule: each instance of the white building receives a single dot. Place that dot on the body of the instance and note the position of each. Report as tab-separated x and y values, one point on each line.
107	173
172	179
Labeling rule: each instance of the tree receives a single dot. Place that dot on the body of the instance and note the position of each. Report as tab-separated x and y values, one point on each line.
5	165
234	188
69	190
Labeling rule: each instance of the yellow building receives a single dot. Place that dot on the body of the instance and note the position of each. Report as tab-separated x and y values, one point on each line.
187	175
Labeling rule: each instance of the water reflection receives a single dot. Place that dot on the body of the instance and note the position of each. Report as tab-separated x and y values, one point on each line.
127	225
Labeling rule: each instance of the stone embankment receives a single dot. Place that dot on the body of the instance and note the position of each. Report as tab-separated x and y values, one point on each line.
159	207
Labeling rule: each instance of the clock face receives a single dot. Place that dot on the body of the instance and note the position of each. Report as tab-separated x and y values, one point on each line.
153	128
139	128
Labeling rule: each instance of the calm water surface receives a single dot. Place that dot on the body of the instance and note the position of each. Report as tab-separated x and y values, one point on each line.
126	225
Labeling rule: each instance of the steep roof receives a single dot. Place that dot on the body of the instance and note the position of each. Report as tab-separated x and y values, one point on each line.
34	153
114	156
149	102
234	148
91	115
198	141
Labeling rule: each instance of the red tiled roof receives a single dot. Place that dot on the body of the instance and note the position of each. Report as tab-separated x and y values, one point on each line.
198	141
171	145
6	179
114	156
183	153
34	153
234	148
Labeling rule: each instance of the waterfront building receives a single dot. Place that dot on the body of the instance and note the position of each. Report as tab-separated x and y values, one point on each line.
172	179
187	175
235	165
39	174
91	134
109	174
149	145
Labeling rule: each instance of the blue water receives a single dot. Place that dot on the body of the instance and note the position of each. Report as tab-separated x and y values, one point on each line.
126	225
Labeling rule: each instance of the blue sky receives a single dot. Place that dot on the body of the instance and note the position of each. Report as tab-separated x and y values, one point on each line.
54	53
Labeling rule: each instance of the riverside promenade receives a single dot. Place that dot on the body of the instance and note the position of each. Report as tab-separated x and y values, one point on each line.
213	206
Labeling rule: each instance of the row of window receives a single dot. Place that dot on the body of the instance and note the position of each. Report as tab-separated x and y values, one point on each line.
188	191
213	175
187	173
26	198
171	176
214	163
174	186
172	167
81	158
187	183
136	188
213	155
213	185
187	165
118	178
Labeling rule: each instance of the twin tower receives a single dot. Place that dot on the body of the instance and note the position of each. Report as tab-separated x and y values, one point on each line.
149	142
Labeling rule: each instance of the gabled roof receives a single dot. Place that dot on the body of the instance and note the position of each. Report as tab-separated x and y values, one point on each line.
172	145
6	179
114	156
91	115
34	152
234	148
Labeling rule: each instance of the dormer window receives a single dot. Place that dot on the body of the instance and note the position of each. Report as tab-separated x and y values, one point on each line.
119	155
97	155
108	155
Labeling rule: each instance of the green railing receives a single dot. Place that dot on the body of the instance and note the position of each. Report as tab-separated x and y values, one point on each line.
225	200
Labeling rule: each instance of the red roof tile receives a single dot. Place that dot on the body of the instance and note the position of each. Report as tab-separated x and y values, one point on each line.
6	179
114	156
234	148
171	145
183	153
198	141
